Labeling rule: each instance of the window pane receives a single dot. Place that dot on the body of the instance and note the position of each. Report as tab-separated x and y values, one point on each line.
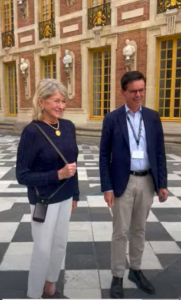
178	73
176	113
167	103
163	45
169	74
161	103
163	55
178	52
170	44
163	64
177	102
177	93
167	94
161	95
179	43
161	112
169	54
178	63
167	112
169	64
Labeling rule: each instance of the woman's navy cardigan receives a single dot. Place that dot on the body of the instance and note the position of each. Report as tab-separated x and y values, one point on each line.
38	162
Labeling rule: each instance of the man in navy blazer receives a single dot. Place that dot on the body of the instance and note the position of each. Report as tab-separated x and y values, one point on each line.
132	168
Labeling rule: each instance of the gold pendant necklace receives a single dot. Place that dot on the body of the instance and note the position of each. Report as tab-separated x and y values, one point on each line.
57	131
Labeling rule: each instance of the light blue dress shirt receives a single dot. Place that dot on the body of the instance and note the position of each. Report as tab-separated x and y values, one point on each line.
137	164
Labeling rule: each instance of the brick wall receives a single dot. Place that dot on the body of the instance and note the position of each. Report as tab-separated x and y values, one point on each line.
132	6
25	34
139	36
76	21
65	9
76	49
23	102
30	19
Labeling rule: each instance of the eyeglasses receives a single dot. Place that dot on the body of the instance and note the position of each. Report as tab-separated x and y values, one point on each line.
141	91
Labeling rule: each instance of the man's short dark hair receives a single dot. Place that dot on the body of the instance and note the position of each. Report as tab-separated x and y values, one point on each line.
130	77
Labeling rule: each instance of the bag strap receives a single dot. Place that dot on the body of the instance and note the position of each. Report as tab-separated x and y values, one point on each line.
50	141
62	157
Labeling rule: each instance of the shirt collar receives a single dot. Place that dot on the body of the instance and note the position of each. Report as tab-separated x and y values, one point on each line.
128	110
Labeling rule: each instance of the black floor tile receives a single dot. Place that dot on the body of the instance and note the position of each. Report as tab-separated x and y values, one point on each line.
168	259
3	248
16	213
80	262
156	232
167	214
12	294
23	233
80	248
81	214
13	280
98	214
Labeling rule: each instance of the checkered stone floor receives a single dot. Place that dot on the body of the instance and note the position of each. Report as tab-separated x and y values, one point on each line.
86	270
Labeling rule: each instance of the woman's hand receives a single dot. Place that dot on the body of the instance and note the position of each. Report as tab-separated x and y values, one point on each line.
74	205
67	171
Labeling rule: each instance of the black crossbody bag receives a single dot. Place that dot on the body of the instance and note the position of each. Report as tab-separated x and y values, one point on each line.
41	207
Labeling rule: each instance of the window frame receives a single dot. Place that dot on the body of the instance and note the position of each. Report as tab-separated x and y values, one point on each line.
99	50
49	58
15	89
174	39
49	10
11	16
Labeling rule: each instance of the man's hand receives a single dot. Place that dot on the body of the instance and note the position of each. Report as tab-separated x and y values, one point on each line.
74	205
109	198
162	195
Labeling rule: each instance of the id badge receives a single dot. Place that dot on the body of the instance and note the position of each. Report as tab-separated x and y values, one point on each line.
137	154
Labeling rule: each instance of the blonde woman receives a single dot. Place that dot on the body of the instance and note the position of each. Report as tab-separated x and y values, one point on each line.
42	170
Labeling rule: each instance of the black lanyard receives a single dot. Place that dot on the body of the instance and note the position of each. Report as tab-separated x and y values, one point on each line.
137	139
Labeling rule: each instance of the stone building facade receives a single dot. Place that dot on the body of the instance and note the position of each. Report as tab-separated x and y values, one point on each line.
36	34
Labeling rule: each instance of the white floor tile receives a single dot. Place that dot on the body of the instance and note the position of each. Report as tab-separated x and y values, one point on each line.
172	202
91	185
22	200
80	232
176	191
96	201
7	231
6	204
26	218
82	204
81	279
23	248
160	247
152	217
15	190
83	293
15	263
102	231
174	229
174	177
173	156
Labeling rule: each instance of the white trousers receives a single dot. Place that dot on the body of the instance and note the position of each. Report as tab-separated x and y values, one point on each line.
50	242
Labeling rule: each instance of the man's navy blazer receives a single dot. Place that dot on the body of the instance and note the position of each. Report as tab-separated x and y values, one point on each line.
115	157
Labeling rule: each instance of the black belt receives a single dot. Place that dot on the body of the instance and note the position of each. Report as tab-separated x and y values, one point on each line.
140	173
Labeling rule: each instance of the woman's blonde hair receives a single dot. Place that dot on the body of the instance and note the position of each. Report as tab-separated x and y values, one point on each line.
45	89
